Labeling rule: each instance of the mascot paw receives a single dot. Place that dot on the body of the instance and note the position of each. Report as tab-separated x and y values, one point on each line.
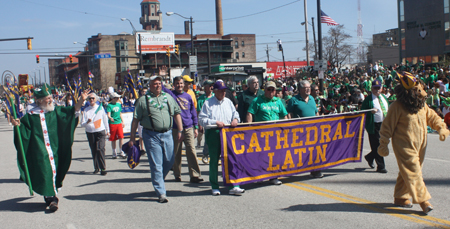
443	133
383	151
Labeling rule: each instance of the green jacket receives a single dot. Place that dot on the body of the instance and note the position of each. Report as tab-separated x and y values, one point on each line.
368	104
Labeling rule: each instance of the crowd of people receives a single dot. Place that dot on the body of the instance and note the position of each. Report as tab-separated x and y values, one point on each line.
172	113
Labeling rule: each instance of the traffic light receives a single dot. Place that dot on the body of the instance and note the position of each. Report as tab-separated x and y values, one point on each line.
71	58
29	44
37	59
168	51
177	49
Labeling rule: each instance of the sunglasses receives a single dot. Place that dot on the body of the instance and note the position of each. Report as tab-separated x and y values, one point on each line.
270	89
91	98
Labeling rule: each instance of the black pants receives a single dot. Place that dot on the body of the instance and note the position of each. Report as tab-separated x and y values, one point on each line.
97	145
374	140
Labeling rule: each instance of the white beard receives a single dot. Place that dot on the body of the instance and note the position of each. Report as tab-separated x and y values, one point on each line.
47	107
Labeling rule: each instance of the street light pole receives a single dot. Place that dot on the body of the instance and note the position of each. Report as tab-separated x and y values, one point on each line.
314	35
134	33
319	33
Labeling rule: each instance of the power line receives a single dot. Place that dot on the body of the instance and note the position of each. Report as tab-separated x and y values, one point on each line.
233	18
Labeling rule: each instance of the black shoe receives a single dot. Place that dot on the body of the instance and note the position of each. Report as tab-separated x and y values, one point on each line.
316	174
381	170
48	200
371	165
96	171
196	179
53	206
178	179
143	152
103	172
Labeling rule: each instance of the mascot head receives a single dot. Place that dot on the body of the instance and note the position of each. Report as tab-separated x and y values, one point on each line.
410	92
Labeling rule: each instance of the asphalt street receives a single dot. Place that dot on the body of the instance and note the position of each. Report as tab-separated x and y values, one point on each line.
348	196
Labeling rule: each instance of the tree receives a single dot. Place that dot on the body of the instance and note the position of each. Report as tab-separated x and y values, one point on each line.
335	48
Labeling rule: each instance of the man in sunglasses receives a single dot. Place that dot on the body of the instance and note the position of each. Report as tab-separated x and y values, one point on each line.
267	107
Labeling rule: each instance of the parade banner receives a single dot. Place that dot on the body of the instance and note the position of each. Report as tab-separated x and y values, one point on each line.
257	152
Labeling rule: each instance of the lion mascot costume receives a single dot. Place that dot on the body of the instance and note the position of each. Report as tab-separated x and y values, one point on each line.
406	123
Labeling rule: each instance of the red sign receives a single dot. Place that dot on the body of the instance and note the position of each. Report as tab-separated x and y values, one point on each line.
23	79
277	68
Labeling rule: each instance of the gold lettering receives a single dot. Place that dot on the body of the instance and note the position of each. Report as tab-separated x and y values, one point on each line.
271	167
266	135
254	144
325	133
311	150
300	152
280	139
308	135
338	132
348	129
233	143
295	137
321	153
288	161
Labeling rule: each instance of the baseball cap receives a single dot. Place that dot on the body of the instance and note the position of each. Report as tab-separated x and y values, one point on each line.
187	78
219	85
155	77
376	84
168	86
271	84
208	82
115	95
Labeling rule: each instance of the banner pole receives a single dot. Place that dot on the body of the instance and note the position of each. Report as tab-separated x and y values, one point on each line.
285	120
27	174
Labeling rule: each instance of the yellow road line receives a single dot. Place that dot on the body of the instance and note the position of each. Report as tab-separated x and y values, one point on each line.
399	213
380	205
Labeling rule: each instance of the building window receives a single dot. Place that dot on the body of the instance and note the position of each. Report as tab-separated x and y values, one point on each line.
446	5
242	43
237	55
243	54
153	6
236	44
447	33
122	46
402	11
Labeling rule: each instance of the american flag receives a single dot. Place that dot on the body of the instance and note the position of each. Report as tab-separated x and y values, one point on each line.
326	19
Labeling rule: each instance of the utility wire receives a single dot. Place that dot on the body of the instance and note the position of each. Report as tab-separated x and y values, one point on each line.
233	18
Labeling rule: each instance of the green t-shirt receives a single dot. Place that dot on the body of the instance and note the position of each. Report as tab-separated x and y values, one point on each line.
115	110
265	109
201	100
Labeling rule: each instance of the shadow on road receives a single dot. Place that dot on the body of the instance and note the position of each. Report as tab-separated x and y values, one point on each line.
16	205
3	181
103	197
125	180
382	208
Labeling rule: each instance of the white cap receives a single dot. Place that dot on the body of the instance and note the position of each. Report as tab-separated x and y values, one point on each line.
155	77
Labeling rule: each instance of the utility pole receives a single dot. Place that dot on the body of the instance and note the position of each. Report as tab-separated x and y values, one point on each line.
319	34
267	53
314	35
306	34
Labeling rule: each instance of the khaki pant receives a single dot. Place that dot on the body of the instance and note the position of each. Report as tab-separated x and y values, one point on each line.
189	141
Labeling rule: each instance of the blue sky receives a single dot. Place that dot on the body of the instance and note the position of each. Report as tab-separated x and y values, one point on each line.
56	24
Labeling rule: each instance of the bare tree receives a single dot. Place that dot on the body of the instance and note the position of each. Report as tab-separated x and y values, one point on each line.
335	48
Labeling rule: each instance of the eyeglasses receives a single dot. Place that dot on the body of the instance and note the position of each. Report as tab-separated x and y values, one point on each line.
91	98
270	89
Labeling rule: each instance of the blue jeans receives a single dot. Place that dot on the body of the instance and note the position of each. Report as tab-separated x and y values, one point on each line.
159	147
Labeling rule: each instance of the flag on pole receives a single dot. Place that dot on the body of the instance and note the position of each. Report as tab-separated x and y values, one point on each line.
132	86
90	80
326	19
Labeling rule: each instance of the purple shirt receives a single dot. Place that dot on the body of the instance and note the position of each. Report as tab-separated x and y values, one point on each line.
188	111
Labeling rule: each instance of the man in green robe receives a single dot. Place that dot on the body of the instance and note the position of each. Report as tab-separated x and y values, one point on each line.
47	136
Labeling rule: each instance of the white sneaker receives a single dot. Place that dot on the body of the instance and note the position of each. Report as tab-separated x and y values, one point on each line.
123	155
236	191
215	192
275	181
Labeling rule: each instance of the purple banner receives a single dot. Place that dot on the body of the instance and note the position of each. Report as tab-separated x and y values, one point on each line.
269	150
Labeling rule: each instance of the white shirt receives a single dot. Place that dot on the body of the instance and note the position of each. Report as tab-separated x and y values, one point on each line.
445	110
214	110
379	116
89	113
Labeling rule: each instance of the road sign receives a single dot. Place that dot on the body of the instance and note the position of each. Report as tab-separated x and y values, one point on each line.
320	65
141	71
193	60
193	68
102	55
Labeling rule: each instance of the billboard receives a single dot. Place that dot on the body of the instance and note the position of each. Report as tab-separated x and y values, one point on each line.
155	42
276	69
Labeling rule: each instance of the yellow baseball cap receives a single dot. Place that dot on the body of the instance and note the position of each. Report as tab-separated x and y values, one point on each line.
187	78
